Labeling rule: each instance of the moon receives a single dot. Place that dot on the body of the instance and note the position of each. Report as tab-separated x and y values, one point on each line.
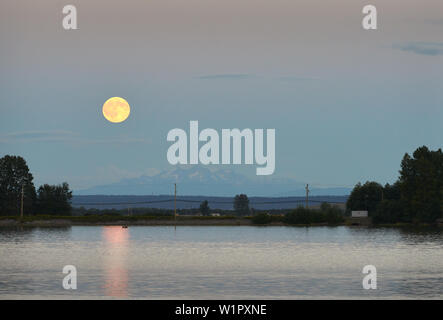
116	109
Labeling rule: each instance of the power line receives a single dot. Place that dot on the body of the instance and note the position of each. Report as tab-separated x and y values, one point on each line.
120	203
199	201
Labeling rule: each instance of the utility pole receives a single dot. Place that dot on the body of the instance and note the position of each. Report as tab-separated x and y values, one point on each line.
307	196
175	203
21	206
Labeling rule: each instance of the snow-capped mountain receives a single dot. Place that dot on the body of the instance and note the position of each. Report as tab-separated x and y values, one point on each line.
200	180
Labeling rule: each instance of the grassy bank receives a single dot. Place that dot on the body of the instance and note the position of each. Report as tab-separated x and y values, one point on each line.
46	220
168	220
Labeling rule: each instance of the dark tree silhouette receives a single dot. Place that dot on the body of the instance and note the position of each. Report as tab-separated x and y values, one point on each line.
14	174
204	208
54	199
421	184
365	197
241	204
417	196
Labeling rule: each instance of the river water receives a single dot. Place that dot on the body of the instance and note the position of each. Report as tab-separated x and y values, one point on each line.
220	262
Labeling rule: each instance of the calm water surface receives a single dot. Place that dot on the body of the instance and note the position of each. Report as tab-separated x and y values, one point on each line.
220	262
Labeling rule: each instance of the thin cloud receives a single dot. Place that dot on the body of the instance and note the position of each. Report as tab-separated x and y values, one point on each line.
30	136
296	79
226	76
62	136
422	48
115	140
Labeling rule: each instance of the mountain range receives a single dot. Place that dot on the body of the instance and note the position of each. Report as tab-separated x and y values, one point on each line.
200	180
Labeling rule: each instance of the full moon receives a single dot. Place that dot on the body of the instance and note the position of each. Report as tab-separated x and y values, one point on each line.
116	109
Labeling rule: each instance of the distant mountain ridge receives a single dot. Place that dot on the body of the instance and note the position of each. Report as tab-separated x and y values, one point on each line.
199	180
189	202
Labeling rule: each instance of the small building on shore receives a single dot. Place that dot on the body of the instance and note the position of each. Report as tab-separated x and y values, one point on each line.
359	218
359	214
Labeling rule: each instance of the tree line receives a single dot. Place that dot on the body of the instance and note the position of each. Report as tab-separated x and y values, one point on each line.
16	180
416	196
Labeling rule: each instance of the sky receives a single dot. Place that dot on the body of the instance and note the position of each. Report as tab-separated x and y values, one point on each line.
346	103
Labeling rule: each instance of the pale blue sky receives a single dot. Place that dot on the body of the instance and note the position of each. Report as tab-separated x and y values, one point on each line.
346	103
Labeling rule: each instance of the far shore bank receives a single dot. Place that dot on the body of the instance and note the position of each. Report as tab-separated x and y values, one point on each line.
45	221
141	222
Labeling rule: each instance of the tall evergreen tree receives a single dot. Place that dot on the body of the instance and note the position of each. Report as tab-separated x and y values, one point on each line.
421	184
15	175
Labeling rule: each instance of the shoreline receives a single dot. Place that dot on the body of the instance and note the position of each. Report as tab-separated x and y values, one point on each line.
182	221
141	222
